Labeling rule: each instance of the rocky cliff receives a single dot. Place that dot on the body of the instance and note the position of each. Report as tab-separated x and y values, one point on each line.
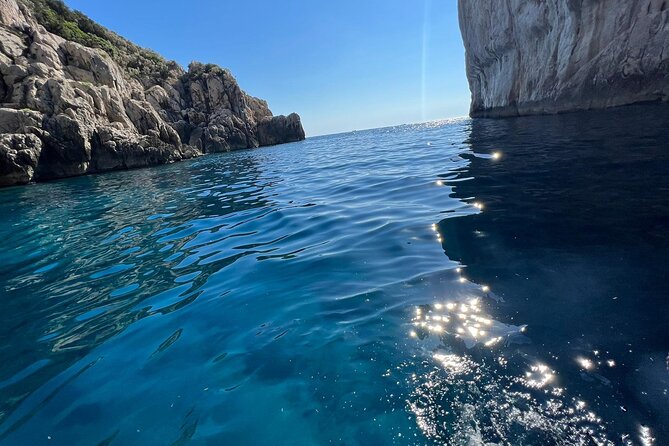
76	98
535	56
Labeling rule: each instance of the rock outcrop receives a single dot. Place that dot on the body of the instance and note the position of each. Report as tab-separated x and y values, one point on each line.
76	98
534	56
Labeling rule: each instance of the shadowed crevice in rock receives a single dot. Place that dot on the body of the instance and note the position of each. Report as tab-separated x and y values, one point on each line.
68	108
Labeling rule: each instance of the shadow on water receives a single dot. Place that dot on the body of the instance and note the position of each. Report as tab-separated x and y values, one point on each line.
573	237
301	295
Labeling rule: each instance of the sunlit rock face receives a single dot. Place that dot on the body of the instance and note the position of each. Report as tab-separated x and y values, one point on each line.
83	101
532	57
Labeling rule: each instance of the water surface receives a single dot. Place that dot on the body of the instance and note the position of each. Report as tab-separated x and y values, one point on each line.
391	286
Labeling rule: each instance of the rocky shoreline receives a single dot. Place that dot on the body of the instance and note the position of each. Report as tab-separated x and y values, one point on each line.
79	99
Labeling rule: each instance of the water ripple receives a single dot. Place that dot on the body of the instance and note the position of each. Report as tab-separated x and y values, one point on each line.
301	293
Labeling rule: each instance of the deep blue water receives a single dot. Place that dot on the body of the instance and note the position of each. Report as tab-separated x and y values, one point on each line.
391	286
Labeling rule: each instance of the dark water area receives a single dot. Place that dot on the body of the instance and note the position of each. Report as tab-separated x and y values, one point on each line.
493	282
574	236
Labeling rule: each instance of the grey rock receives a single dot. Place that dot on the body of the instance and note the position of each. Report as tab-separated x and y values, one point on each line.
19	154
18	121
91	65
13	74
533	57
11	44
46	55
68	109
11	14
279	129
113	149
66	148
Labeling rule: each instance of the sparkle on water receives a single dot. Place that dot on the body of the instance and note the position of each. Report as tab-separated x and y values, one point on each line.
298	295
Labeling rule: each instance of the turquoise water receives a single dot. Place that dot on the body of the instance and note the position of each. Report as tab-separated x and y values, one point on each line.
394	286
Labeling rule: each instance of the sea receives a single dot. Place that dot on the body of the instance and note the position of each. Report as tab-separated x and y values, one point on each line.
458	282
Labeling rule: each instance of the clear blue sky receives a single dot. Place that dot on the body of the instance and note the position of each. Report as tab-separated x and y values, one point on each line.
343	65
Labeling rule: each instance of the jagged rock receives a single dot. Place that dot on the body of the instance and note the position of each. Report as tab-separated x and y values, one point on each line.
280	128
528	57
147	122
101	103
11	44
91	65
18	121
66	148
10	13
19	154
115	149
12	74
46	55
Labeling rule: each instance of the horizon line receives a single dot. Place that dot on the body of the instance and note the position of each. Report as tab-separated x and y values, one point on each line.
391	126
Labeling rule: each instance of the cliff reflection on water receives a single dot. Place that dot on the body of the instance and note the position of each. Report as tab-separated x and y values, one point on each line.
573	235
301	295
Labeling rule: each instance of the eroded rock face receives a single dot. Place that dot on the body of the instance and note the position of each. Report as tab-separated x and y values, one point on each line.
19	154
535	56
68	109
271	130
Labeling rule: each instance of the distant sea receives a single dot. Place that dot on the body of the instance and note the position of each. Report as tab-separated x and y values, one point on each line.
463	282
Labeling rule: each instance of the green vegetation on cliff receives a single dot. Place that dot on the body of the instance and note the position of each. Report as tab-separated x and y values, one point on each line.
57	18
141	63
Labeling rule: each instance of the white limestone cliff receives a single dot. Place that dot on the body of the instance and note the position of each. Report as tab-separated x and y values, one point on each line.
535	56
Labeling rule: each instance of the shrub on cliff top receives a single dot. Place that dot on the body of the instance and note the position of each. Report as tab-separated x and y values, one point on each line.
146	65
197	69
71	25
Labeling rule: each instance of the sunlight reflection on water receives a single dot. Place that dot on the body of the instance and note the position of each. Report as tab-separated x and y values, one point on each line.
300	294
474	394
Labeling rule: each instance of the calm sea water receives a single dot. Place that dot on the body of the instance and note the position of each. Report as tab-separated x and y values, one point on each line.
393	286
